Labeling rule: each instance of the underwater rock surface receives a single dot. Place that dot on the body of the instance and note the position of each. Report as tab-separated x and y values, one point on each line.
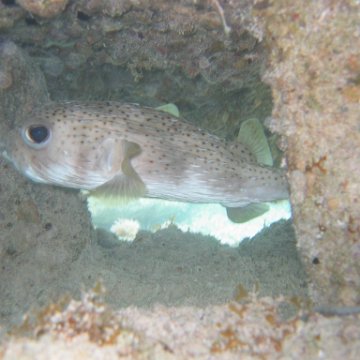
151	53
314	74
44	8
88	329
39	236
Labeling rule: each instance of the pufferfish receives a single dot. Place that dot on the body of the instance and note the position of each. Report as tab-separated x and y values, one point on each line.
120	151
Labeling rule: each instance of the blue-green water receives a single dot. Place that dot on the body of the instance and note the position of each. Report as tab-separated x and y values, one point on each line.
206	219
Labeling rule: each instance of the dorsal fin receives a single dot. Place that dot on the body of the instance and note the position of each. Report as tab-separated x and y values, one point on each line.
252	135
170	108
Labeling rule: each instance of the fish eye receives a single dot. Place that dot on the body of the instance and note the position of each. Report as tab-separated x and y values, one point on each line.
36	136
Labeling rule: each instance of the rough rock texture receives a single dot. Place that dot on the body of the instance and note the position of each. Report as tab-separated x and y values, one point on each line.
26	221
150	52
22	85
44	8
87	329
315	76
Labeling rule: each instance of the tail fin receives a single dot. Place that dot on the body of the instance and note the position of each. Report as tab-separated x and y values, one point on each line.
252	135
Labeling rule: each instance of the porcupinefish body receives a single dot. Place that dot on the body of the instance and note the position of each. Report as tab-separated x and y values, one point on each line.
119	151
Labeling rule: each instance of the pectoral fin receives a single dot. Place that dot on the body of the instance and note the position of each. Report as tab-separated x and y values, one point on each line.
125	185
246	213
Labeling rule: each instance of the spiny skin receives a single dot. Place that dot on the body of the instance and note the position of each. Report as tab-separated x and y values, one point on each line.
92	143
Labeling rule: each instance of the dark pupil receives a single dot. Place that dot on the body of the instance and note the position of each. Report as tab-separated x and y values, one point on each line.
38	134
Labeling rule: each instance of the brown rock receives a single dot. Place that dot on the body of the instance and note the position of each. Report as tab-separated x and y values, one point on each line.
44	8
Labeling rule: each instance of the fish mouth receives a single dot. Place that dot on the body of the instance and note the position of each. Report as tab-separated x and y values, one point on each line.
5	154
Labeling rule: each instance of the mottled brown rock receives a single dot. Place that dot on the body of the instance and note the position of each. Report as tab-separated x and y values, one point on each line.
9	15
35	224
88	329
44	8
314	74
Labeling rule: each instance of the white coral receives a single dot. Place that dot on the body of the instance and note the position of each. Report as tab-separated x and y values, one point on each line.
125	229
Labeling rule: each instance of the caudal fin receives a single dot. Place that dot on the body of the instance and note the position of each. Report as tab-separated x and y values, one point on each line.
252	135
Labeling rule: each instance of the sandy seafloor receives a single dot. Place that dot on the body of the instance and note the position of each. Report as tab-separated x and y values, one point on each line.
174	268
168	267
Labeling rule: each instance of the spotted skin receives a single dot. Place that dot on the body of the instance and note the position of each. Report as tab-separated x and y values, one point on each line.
127	150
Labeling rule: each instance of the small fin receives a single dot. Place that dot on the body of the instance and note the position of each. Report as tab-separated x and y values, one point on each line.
252	135
130	150
120	189
125	185
109	155
170	108
246	213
